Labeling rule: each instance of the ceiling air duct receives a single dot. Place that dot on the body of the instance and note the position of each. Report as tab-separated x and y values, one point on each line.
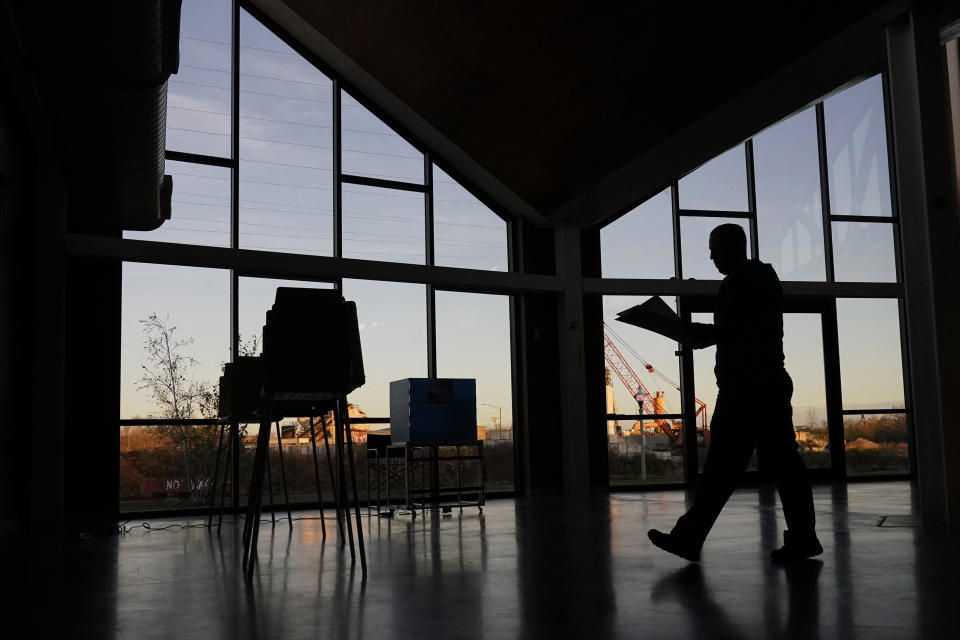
145	53
101	69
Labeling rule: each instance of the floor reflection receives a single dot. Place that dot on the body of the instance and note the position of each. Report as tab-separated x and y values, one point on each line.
529	568
707	618
566	587
687	587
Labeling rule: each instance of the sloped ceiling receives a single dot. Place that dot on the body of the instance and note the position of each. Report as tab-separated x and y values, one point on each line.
552	98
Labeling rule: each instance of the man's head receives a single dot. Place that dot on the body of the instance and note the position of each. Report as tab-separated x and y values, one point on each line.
728	247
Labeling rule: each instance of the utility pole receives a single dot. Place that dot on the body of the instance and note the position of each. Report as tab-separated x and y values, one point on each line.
499	414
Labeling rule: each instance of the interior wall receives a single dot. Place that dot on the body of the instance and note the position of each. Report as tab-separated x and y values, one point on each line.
15	326
538	439
92	307
594	386
931	253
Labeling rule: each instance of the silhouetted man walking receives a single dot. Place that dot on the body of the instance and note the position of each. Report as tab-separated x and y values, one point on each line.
748	331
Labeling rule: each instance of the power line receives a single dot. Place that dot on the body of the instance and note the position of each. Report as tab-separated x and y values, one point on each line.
393	193
249	91
361	234
649	368
264	93
197	84
256	75
365	253
248	47
296	144
323	212
360	240
390	134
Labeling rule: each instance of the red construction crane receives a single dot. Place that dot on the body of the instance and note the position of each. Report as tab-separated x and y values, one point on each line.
645	401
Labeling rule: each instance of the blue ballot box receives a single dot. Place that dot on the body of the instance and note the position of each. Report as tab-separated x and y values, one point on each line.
433	410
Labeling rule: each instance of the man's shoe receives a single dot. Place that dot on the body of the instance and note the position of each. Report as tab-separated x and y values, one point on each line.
797	548
672	544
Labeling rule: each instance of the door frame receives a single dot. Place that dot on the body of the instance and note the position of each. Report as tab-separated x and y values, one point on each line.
826	307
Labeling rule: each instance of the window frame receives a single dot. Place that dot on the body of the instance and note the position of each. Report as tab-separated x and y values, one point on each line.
812	296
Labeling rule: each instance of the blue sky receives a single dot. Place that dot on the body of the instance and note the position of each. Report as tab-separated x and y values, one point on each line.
790	230
285	205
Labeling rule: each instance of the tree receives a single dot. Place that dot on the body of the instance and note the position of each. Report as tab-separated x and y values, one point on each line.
169	377
249	347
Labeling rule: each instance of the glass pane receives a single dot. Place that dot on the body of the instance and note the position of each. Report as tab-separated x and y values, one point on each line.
640	244
857	150
255	297
372	149
646	455
200	207
789	218
465	232
871	366
164	468
383	224
298	461
863	252
285	147
695	245
877	443
803	358
640	361
393	337
473	341
719	185
154	476
198	95
191	311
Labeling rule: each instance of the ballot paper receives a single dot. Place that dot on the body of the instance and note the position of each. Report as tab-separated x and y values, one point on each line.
655	315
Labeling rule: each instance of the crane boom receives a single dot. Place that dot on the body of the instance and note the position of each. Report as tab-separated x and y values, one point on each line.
625	372
632	382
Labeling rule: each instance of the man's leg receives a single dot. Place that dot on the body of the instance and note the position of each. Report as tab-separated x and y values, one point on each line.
728	455
729	452
779	455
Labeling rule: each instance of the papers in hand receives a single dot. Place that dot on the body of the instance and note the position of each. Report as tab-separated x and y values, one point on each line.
655	315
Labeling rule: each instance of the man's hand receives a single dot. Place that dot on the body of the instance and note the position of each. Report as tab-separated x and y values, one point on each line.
702	335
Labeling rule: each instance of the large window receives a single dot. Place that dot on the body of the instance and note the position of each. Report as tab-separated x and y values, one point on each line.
640	244
393	332
473	341
172	351
303	165
641	380
285	146
812	194
465	232
198	97
789	214
871	373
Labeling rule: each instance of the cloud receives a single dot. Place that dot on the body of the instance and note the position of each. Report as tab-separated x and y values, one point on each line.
372	325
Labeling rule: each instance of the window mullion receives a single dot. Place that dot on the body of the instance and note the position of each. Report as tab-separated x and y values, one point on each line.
825	193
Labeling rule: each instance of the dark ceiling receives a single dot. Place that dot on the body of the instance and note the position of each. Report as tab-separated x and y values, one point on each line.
552	97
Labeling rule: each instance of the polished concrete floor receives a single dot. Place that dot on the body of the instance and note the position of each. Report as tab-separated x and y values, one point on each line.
541	568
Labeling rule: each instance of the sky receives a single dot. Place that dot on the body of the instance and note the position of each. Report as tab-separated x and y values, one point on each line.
286	205
286	199
790	232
